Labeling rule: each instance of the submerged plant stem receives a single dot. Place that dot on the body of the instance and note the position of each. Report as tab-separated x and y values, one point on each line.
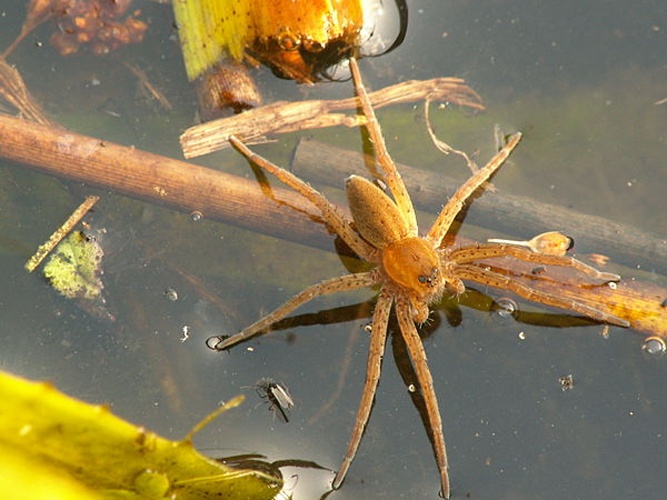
60	233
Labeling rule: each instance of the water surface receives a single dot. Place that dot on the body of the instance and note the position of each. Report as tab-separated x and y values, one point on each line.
581	80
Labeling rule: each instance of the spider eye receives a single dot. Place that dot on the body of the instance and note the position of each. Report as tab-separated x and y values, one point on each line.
428	279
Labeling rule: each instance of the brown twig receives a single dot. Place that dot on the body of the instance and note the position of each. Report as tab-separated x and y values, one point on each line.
517	216
640	303
160	180
282	117
241	202
60	233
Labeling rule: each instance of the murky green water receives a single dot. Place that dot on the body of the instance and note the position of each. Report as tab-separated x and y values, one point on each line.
581	80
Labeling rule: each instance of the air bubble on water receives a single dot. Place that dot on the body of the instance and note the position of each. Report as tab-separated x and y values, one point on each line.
196	216
654	347
505	307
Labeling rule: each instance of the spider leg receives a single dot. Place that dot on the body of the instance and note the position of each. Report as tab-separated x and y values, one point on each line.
339	284
373	367
471	253
418	356
456	202
329	212
392	176
501	281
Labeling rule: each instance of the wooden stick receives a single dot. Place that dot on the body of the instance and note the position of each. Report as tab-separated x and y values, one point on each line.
641	303
518	216
161	180
60	233
281	117
241	202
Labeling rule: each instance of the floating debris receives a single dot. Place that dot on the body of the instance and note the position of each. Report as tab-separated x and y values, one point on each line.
186	333
75	271
549	243
566	382
297	39
171	294
102	25
75	448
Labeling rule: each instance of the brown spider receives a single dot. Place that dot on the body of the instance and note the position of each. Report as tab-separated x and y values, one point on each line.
412	271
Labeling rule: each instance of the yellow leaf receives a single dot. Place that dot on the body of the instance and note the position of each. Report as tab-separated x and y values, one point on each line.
45	434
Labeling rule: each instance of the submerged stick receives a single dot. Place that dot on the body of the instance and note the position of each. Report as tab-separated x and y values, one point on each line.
241	202
503	213
60	233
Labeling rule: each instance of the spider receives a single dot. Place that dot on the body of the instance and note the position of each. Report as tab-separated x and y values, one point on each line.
411	271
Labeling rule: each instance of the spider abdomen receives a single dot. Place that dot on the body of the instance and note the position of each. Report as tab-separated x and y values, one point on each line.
375	215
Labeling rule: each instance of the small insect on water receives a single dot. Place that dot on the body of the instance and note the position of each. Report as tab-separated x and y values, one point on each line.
411	270
277	395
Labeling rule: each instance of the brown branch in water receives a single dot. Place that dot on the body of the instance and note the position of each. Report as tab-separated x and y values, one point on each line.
518	216
241	202
282	117
641	303
161	180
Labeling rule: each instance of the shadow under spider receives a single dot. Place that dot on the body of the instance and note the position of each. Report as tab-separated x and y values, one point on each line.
450	307
447	310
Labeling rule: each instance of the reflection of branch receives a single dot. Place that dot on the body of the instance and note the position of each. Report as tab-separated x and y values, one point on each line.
282	117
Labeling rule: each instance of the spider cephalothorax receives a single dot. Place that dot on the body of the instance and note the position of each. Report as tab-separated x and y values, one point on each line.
412	271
